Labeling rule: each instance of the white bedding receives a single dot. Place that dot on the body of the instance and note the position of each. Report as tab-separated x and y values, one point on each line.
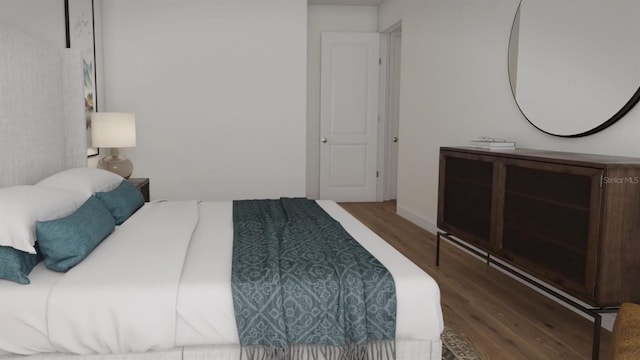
149	300
122	298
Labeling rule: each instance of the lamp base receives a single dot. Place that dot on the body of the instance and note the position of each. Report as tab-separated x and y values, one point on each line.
117	164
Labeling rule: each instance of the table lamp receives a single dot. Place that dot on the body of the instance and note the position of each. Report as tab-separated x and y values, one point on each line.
114	130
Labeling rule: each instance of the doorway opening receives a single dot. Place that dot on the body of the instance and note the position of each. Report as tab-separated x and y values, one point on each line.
390	100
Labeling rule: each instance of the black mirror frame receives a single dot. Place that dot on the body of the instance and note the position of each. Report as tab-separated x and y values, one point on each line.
617	116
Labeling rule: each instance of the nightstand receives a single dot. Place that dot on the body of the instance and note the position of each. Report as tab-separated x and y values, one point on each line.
143	185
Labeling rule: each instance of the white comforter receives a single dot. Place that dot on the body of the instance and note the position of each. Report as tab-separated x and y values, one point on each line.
123	298
162	280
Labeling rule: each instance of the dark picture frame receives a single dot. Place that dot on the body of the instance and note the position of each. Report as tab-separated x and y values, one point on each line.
80	34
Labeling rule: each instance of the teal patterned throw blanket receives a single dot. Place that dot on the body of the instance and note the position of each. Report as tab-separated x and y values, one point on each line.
303	288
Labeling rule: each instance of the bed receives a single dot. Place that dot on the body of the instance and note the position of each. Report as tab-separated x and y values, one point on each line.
158	287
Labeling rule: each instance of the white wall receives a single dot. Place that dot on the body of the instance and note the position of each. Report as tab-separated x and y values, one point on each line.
42	19
336	19
219	93
455	87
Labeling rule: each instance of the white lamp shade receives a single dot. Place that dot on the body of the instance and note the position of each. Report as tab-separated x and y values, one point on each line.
113	130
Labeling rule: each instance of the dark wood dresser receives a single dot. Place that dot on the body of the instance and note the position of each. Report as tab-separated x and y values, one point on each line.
569	219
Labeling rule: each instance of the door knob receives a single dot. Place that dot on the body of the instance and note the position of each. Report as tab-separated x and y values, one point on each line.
323	140
395	139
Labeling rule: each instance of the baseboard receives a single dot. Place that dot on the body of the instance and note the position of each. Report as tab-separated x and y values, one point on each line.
416	219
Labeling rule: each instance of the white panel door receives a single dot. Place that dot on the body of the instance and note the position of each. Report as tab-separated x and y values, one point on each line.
349	116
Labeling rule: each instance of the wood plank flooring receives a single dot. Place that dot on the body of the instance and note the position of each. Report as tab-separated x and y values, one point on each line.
499	316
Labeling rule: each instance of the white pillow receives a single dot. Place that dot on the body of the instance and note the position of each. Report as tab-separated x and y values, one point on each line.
21	206
85	181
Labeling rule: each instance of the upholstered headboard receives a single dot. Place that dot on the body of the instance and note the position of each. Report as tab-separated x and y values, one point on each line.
42	119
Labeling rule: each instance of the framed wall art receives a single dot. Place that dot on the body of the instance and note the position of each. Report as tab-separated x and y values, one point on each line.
80	29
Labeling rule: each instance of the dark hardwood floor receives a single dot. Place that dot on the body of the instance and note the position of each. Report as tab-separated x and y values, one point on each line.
499	316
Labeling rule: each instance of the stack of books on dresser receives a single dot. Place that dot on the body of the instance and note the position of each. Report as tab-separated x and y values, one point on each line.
491	143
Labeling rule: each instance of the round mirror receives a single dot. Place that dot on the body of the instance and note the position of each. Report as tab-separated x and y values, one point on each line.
574	65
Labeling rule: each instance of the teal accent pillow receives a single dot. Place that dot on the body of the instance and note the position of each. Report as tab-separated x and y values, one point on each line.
65	242
122	201
15	265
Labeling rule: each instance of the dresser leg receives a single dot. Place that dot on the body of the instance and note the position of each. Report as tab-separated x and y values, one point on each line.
597	324
438	249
